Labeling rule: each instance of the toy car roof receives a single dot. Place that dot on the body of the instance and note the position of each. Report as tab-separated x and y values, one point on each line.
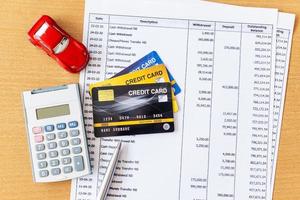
46	31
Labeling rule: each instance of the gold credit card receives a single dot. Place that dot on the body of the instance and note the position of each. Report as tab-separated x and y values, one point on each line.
155	74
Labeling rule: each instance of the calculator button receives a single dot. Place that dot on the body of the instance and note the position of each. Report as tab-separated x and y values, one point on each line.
41	156
75	141
66	161
64	143
49	128
40	147
65	152
52	145
68	169
76	150
54	162
37	129
38	138
62	135
61	126
74	133
44	173
78	163
50	136
42	164
73	124
53	154
55	171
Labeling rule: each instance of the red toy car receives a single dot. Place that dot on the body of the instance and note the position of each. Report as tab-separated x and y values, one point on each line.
68	52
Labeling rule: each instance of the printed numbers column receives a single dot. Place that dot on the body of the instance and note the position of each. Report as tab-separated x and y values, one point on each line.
197	112
97	49
223	124
282	41
255	90
96	44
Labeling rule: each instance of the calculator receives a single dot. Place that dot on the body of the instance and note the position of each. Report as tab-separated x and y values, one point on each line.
56	134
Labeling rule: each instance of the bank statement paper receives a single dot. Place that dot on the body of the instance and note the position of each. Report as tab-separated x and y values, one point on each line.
224	59
284	38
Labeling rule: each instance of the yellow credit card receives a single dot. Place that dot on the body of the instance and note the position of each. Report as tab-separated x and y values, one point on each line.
155	74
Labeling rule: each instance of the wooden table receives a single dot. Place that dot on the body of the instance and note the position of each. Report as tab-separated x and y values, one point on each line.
24	67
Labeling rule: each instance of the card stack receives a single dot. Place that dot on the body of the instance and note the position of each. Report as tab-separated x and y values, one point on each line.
138	100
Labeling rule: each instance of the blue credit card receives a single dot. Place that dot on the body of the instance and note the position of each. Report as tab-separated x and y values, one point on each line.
149	60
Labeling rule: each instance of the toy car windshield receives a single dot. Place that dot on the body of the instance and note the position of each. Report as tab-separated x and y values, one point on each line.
52	38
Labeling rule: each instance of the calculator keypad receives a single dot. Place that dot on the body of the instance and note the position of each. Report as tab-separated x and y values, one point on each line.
38	138
55	171
37	130
58	148
78	163
41	156
52	145
61	126
40	147
50	136
54	162
75	141
44	173
68	169
42	164
62	135
74	133
65	152
76	150
49	128
73	124
66	160
64	143
53	154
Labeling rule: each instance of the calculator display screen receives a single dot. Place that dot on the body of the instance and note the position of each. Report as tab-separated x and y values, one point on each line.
53	111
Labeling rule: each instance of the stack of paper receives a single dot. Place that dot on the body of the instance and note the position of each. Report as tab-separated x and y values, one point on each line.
232	64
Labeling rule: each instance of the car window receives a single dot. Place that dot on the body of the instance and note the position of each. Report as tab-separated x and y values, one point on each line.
49	36
42	30
61	46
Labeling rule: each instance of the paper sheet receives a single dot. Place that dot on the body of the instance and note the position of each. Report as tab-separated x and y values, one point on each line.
284	36
224	59
285	28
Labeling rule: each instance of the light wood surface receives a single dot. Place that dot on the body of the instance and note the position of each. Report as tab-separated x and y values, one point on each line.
24	67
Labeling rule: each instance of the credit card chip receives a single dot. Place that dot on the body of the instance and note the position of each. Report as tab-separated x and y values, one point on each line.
106	95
